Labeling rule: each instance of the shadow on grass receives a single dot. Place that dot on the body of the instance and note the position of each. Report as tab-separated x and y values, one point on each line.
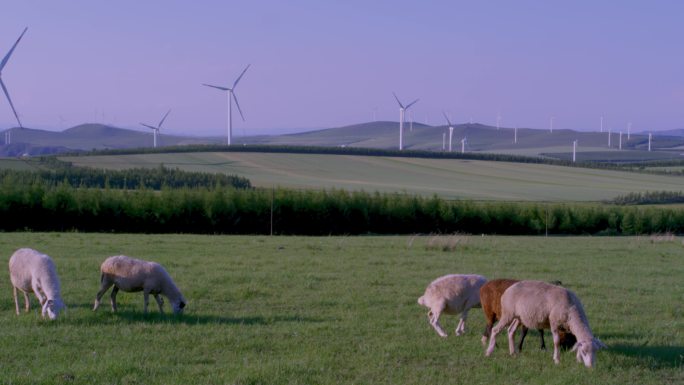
657	356
126	316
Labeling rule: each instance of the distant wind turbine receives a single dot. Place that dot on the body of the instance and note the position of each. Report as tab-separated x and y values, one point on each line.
231	97
402	110
8	134
157	128
463	143
451	129
574	150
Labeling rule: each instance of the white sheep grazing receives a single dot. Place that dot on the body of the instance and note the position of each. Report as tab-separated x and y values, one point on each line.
541	305
131	275
34	271
452	294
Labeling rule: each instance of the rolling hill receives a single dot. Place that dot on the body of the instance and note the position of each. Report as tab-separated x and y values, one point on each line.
380	134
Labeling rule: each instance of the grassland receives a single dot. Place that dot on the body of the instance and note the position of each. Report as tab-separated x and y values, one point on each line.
337	310
480	180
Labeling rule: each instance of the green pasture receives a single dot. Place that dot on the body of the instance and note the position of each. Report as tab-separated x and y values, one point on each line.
340	310
448	178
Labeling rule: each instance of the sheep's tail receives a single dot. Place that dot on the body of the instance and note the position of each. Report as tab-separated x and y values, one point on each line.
421	300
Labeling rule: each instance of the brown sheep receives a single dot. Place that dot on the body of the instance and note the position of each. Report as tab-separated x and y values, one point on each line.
490	299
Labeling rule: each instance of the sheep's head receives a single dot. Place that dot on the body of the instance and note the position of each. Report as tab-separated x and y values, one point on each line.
52	307
178	306
586	351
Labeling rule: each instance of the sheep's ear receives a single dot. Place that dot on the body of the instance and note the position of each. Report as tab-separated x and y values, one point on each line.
598	344
182	305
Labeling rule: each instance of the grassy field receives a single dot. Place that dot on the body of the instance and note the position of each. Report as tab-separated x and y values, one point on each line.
338	310
480	180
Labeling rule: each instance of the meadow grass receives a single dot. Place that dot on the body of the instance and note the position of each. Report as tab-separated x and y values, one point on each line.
447	178
332	310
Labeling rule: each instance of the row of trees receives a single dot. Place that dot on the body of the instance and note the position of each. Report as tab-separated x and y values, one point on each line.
39	206
650	197
154	178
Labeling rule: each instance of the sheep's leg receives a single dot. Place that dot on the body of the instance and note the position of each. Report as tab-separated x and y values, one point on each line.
16	300
541	336
511	335
115	291
487	333
146	297
27	302
556	345
104	286
460	329
434	321
497	329
523	334
38	292
160	302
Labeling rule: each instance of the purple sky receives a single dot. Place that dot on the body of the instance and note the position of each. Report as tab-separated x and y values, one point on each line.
320	64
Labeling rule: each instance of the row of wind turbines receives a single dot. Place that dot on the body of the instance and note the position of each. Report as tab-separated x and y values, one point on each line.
232	97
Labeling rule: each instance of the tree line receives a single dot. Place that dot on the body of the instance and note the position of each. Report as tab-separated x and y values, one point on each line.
57	172
41	206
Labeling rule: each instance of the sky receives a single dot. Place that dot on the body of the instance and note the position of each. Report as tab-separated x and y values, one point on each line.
323	63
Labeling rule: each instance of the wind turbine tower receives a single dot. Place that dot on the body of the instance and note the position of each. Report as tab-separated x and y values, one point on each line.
8	133
609	132
451	129
463	143
629	129
574	150
620	146
515	135
649	141
402	111
231	97
551	124
157	128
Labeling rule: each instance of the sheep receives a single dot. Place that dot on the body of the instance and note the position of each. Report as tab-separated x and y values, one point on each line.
490	300
452	294
31	270
537	304
131	275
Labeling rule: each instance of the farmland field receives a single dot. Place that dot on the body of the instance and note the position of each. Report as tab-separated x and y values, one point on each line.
332	310
449	178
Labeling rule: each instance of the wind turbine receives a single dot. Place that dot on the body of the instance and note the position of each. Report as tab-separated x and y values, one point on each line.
574	150
463	143
156	129
402	110
8	134
451	129
231	97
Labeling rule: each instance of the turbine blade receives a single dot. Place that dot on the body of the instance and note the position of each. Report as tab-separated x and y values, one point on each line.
240	77
395	96
410	104
217	87
238	105
6	58
163	119
447	118
148	126
10	102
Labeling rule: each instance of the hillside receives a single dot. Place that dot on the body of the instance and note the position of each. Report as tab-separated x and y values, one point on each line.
85	137
380	134
448	178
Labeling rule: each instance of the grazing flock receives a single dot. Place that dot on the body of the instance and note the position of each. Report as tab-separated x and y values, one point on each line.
530	304
526	304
